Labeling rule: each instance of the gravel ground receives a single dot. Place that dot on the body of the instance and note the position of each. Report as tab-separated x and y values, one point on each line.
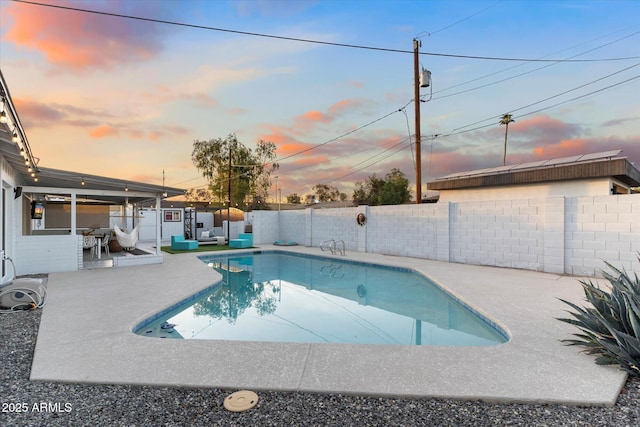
26	403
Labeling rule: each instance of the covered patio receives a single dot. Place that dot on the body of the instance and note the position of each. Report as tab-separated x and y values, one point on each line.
61	209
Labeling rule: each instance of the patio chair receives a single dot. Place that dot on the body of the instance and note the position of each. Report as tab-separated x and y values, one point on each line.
126	240
105	242
90	242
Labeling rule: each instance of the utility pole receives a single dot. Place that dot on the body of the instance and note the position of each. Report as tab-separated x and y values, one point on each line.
416	101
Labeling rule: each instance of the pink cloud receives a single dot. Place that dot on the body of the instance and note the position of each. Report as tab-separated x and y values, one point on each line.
313	116
35	114
81	41
345	105
630	147
103	131
543	126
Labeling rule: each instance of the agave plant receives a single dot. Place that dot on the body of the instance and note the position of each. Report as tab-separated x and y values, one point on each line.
610	328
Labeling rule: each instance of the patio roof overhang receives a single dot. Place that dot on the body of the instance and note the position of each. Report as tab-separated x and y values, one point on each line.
97	188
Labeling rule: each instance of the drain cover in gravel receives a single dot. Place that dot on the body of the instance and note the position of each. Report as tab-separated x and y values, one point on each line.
240	401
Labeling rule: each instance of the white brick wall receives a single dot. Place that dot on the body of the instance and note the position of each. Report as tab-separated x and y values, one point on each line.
48	254
572	235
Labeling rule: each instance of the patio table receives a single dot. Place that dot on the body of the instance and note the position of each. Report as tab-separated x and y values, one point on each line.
99	238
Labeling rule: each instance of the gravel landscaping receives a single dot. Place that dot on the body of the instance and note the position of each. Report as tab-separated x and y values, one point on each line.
26	403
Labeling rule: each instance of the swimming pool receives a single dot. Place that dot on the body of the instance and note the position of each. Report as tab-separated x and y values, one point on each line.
283	297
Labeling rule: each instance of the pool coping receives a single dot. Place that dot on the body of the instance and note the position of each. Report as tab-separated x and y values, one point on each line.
94	343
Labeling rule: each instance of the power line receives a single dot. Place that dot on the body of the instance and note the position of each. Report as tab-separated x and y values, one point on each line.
545	56
452	133
372	157
553	96
524	73
464	19
320	42
337	137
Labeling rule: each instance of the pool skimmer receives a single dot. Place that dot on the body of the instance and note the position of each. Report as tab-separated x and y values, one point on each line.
240	401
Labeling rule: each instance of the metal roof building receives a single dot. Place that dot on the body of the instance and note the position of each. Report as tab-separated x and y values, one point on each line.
595	174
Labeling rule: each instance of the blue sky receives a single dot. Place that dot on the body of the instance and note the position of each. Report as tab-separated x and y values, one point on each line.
127	98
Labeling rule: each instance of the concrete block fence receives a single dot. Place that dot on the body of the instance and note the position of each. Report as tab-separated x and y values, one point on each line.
564	235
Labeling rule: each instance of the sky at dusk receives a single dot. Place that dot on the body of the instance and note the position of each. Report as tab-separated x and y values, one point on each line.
126	98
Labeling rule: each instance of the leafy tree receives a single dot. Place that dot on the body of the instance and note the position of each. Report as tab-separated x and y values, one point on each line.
293	198
395	190
392	190
250	170
505	120
199	195
327	193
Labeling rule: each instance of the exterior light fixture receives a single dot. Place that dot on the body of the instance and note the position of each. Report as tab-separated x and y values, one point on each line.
82	181
3	117
126	187
33	174
14	137
26	162
30	170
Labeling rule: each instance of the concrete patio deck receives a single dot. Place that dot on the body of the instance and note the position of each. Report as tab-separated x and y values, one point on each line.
86	336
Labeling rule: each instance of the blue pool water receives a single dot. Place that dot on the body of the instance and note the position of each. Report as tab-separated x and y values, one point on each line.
282	297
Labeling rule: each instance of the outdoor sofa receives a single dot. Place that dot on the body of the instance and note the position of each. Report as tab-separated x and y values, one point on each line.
208	237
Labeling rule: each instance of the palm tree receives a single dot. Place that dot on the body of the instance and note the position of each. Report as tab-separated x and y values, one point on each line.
505	120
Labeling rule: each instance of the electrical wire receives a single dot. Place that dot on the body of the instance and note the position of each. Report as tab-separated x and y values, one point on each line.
554	96
279	160
453	133
464	19
413	159
526	72
545	56
320	42
370	164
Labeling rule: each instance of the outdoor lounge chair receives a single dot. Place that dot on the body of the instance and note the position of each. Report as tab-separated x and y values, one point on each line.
126	240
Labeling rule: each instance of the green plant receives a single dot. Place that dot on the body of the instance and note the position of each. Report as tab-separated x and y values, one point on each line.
610	328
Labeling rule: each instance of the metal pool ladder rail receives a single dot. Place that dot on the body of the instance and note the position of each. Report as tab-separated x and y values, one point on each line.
333	246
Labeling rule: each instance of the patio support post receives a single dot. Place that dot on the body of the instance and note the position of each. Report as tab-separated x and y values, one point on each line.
158	225
74	222
124	213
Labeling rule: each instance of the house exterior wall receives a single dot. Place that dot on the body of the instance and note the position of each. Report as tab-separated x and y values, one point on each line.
8	207
563	235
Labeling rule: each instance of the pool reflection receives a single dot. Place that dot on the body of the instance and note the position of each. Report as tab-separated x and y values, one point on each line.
285	298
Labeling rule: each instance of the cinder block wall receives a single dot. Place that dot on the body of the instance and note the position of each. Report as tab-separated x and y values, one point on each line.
572	235
599	229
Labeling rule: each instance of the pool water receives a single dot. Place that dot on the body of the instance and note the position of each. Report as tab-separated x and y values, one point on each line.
282	297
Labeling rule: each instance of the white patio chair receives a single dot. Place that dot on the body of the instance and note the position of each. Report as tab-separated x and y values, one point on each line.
105	242
90	242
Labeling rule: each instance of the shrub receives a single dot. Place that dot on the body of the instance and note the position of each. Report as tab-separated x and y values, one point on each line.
610	328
